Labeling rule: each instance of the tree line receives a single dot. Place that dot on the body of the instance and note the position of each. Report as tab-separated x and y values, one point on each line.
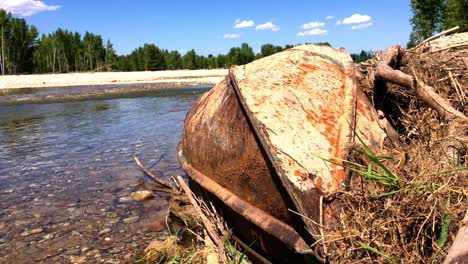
23	51
433	16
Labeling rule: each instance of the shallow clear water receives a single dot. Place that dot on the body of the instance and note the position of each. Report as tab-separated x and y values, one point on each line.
66	170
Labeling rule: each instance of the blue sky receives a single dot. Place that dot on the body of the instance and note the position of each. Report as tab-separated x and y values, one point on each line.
210	26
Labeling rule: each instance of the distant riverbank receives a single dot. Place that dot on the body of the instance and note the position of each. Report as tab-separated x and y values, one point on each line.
183	77
51	88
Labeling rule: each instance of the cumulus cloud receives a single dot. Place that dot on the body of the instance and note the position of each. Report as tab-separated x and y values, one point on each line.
243	24
359	26
313	32
267	26
313	25
26	7
231	36
356	19
329	17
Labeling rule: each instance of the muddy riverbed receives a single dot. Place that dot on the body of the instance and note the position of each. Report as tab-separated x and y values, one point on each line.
66	173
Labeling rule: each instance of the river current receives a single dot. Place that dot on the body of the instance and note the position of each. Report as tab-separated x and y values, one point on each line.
67	170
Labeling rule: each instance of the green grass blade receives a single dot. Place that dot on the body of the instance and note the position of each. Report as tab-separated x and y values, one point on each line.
371	155
449	171
376	251
444	231
445	226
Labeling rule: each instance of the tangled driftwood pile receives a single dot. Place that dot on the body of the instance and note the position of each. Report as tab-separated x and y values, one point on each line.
423	93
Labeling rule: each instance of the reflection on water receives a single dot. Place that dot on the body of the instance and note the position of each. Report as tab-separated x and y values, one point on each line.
66	170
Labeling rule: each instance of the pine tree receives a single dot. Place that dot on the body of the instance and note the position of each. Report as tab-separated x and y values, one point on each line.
456	14
427	19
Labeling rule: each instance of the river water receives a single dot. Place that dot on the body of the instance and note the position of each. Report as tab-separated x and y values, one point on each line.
67	170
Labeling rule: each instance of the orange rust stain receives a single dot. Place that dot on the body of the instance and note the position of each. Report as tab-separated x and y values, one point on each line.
326	118
308	67
297	77
301	174
318	182
361	108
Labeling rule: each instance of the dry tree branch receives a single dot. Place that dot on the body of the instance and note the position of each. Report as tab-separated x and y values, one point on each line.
426	93
149	174
437	36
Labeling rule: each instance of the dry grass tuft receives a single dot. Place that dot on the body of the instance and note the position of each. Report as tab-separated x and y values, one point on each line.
189	241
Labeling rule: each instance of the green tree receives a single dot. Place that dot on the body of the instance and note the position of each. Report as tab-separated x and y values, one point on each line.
211	62
456	14
246	54
221	61
153	58
110	56
94	52
189	60
426	20
363	56
267	50
174	60
17	41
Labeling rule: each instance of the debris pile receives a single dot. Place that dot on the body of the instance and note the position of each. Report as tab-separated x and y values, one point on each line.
413	219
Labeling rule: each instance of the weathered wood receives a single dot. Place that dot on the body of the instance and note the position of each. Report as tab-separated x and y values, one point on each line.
465	60
385	72
438	35
149	174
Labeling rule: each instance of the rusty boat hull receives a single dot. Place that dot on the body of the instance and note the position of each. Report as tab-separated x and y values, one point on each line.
257	145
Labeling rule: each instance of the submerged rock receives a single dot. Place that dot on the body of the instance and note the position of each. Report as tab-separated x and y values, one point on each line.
32	231
125	199
142	195
132	219
105	231
157	226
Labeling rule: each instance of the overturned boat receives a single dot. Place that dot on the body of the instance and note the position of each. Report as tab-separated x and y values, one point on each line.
266	145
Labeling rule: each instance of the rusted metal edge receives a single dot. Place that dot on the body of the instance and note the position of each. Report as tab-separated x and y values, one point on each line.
286	184
271	225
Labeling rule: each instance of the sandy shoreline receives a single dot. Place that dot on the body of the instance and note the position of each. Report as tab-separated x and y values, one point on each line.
189	77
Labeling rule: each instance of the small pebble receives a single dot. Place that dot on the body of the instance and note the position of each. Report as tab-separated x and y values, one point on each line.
105	231
132	219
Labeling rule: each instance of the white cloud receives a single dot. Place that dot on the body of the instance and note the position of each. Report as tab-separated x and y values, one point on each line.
339	22
359	26
243	24
313	25
356	19
231	36
313	32
268	26
329	17
26	7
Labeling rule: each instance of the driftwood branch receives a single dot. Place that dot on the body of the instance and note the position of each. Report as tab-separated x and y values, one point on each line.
438	35
150	175
206	223
430	97
385	72
465	60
